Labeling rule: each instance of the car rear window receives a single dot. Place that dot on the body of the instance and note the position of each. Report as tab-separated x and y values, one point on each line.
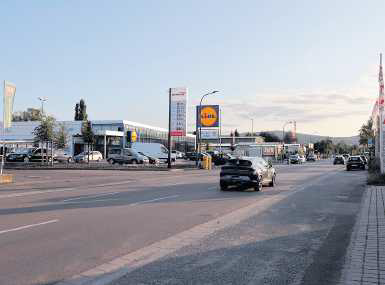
355	159
240	162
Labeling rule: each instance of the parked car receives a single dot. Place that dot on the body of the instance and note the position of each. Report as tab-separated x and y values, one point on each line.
178	154
93	156
247	171
339	159
189	155
295	159
364	159
355	162
151	160
28	155
155	150
311	157
346	156
62	155
126	156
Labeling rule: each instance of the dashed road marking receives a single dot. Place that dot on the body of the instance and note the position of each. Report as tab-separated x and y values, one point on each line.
28	226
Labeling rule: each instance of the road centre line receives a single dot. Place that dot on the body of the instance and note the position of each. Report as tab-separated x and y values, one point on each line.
92	196
118	199
153	200
28	226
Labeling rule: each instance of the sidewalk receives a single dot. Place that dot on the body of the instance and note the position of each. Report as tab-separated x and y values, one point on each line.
366	255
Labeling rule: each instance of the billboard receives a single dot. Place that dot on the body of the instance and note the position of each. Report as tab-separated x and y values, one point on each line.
178	111
208	116
9	94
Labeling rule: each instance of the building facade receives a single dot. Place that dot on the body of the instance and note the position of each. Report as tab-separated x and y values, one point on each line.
108	133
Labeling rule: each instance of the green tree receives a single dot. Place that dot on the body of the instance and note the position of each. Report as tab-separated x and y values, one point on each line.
269	137
366	132
61	137
81	111
88	136
77	112
236	134
44	133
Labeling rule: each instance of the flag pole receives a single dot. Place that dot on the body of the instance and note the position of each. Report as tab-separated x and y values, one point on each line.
3	133
381	110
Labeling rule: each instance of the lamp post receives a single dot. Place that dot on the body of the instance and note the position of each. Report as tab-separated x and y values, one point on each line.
42	100
283	136
252	126
198	150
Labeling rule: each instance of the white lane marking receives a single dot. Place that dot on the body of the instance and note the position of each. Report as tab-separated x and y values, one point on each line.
90	197
118	199
153	200
34	193
28	226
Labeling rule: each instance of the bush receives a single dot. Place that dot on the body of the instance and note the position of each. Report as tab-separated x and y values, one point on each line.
374	165
376	178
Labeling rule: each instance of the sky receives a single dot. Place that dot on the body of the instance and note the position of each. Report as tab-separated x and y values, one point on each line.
315	62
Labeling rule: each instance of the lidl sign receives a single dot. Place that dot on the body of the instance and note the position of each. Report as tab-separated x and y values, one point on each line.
208	116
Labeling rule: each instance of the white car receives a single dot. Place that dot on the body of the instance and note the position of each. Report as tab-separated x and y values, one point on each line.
93	155
178	154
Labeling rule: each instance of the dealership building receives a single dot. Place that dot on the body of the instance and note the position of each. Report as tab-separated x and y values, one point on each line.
109	134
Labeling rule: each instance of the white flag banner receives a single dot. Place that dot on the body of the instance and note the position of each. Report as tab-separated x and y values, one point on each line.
9	95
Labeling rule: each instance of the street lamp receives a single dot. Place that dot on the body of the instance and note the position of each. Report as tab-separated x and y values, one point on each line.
283	136
200	126
252	126
42	100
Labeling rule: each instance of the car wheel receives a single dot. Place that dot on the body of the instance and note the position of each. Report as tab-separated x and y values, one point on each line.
363	167
272	183
26	159
347	168
223	186
258	187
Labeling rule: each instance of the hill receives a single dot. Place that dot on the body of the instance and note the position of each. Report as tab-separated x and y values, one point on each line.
306	138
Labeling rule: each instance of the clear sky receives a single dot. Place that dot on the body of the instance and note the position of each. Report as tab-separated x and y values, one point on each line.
315	62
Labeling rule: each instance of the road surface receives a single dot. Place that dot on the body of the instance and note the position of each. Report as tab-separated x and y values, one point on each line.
56	224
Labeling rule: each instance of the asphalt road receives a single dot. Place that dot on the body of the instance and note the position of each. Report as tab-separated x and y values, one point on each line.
54	224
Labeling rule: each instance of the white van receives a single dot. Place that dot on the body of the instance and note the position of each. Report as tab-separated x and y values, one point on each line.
156	150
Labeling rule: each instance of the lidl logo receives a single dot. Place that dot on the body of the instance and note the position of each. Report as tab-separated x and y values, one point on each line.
209	116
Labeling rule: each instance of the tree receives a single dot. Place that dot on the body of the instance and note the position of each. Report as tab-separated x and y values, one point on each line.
61	137
77	112
269	137
366	132
236	134
325	147
31	114
81	111
88	136
44	133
